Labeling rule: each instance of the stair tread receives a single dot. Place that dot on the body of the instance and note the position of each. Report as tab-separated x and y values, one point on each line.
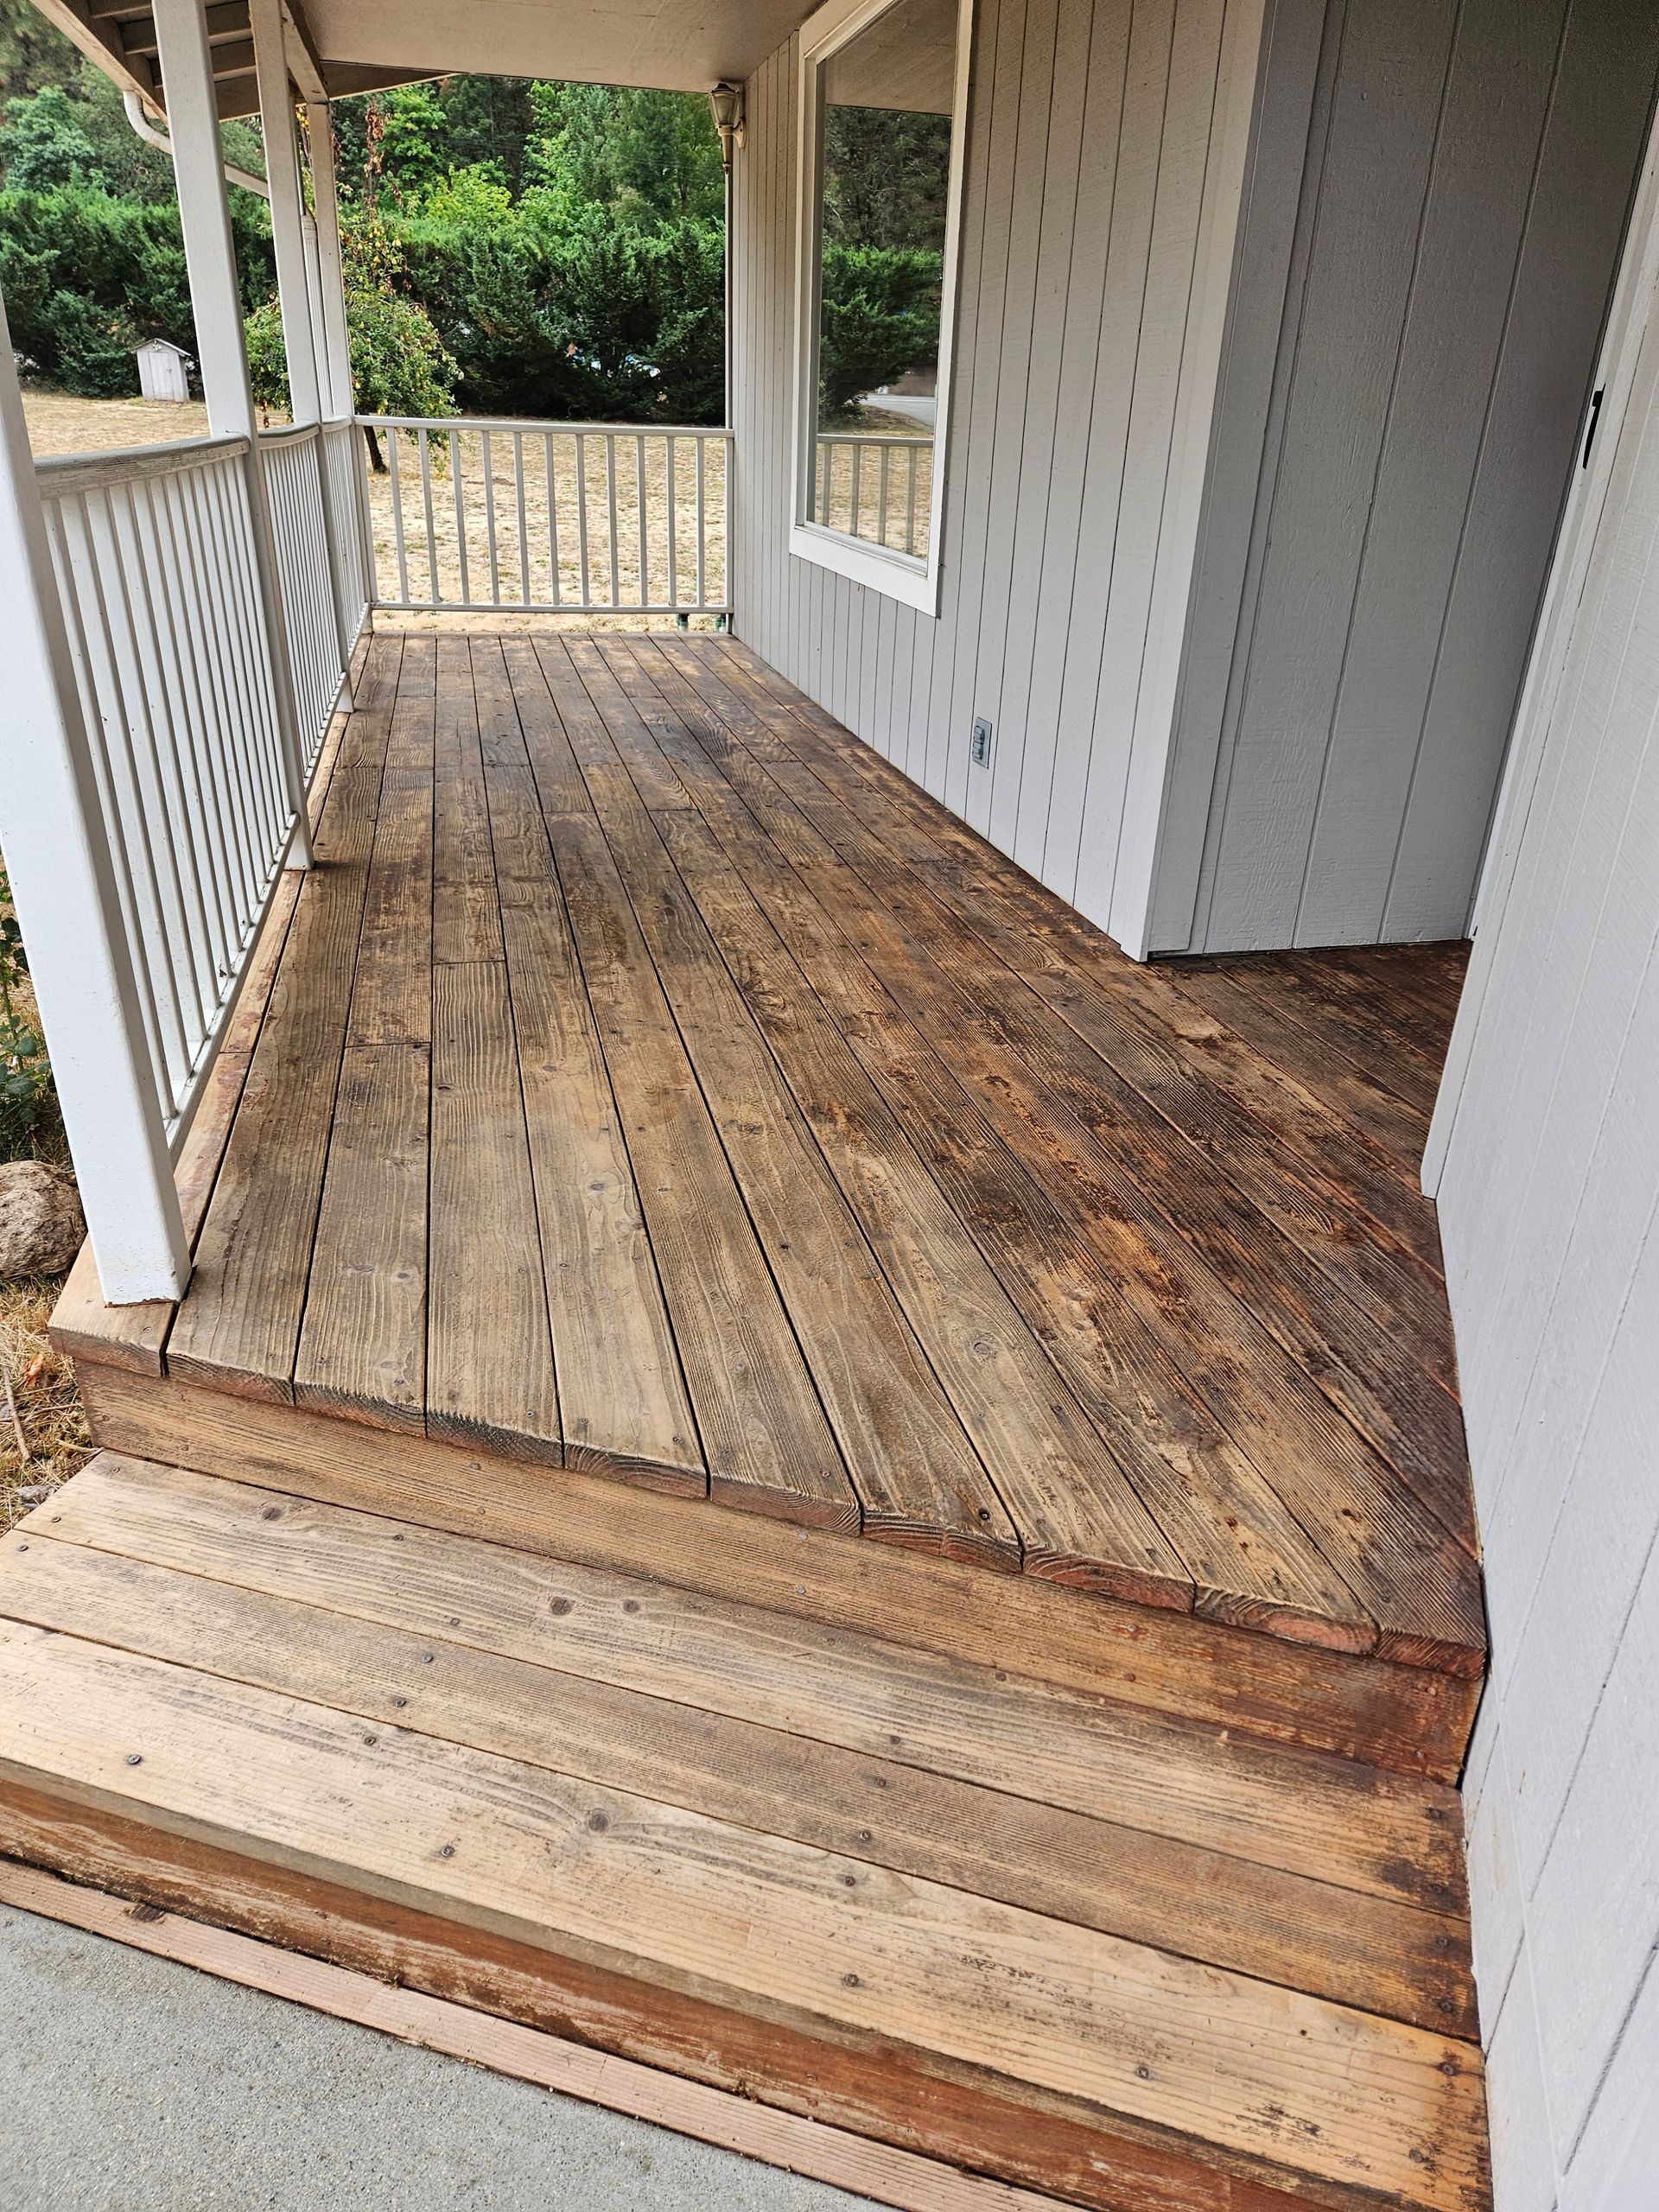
1257	1952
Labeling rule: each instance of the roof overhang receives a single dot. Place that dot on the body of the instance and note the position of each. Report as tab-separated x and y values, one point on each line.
340	46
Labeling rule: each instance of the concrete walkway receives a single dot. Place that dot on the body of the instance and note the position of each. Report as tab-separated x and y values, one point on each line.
128	2084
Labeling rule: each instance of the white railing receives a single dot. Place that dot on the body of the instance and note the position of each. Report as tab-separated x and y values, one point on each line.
311	497
549	518
157	558
879	488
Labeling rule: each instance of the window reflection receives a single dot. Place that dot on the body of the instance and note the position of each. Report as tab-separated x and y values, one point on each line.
886	96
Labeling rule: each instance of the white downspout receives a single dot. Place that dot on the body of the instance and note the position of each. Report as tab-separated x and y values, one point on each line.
151	136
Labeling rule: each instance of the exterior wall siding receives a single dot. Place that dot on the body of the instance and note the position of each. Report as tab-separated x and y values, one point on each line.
1549	1203
1467	174
1079	371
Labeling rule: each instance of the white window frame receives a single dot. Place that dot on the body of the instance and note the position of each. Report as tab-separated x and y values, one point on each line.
905	576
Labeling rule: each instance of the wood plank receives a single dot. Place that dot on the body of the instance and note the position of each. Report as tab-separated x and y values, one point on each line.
790	2141
624	1406
1054	947
1358	1829
1306	1934
1252	1563
82	1325
490	1353
876	2088
1079	1516
1368	1322
1399	1129
763	1430
239	1319
363	1340
1341	1023
363	1343
1407	1719
920	1482
1421	1588
466	917
675	1898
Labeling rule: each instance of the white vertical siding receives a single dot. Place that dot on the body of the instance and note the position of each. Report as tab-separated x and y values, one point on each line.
1549	1205
1100	143
1468	169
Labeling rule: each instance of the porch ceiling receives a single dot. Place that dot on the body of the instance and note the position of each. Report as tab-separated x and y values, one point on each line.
341	47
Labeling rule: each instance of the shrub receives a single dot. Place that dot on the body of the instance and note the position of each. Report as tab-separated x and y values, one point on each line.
880	316
87	276
28	1099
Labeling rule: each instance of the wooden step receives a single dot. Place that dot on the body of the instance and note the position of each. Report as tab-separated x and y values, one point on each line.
1409	1719
1123	1957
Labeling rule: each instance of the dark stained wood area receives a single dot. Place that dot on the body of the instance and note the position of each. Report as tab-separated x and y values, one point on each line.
654	1084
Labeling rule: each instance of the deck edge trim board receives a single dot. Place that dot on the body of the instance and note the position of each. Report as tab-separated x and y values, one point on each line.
1408	1720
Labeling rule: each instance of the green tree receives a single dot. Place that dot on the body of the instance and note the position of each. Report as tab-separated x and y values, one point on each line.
42	145
33	52
399	365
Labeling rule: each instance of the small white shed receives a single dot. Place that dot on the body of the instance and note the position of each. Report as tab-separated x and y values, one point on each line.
161	369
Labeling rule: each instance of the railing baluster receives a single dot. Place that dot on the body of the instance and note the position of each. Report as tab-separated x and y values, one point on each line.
581	517
489	519
610	497
672	468
552	512
460	518
881	498
912	458
524	528
702	530
431	522
397	515
645	542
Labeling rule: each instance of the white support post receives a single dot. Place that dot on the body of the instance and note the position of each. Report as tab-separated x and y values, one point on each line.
53	833
216	304
287	207
336	344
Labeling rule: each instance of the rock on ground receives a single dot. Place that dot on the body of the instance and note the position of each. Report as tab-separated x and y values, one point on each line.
41	1221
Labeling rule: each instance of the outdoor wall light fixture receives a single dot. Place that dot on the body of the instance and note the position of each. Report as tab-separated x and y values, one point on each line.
727	101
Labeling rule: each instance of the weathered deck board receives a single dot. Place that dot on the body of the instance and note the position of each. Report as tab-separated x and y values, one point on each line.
1181	1841
653	1081
546	1787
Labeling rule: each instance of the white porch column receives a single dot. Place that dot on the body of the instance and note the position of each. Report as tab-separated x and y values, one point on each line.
287	208
336	347
52	831
216	302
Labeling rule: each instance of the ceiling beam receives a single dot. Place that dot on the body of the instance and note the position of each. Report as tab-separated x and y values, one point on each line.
100	42
304	63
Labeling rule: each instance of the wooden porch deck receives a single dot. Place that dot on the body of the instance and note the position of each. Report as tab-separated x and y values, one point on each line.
778	1462
654	1083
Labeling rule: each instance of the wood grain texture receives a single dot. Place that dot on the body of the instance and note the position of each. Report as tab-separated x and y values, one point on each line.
232	1740
225	1589
789	2140
876	2088
689	1097
1406	1719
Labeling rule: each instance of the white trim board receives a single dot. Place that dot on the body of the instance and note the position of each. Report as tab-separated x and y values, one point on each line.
902	577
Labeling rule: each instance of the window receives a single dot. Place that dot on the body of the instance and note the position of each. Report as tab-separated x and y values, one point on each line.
883	90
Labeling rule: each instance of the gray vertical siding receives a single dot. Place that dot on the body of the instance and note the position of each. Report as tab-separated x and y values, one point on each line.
1467	174
1549	1205
1090	141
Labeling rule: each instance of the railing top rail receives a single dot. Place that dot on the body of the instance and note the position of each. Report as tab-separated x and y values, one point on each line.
293	434
536	428
874	438
91	472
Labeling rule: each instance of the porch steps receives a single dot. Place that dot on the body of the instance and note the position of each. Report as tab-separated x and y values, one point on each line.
1124	1955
